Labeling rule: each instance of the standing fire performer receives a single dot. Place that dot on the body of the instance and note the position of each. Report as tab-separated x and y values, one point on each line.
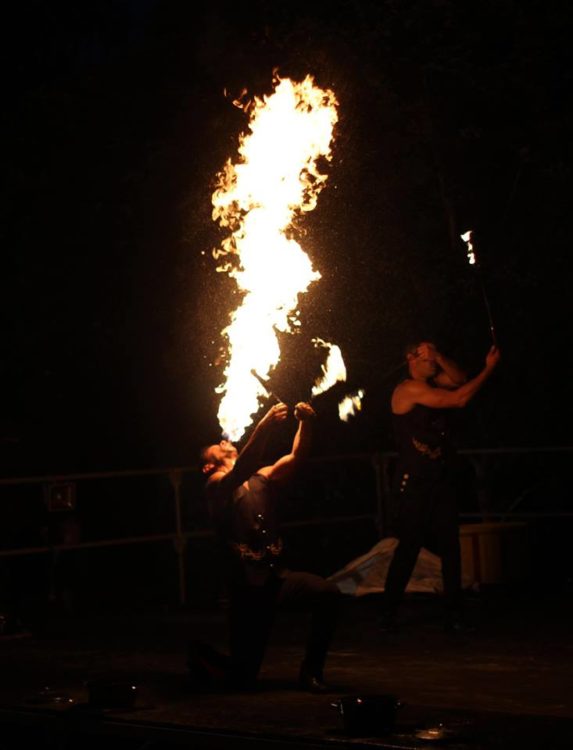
424	481
242	496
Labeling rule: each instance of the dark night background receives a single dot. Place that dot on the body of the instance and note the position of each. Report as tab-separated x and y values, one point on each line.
453	115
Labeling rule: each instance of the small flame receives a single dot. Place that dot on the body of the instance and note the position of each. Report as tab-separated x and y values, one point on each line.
275	178
467	238
350	405
334	369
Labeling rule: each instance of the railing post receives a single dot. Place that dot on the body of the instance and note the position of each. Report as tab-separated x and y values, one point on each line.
380	509
480	469
381	464
180	543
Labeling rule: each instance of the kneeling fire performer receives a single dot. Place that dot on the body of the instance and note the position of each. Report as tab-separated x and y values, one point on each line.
242	497
424	482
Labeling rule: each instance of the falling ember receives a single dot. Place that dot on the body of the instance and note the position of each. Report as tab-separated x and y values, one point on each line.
467	238
275	178
350	405
333	371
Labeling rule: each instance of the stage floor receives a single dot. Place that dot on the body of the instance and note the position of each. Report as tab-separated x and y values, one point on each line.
507	685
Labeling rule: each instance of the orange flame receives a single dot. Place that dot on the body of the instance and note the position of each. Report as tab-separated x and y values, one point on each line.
467	238
334	369
275	178
350	405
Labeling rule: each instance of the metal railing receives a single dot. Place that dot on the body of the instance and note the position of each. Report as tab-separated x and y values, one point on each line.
381	466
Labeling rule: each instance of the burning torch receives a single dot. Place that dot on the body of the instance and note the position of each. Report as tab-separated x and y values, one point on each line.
467	237
333	371
265	384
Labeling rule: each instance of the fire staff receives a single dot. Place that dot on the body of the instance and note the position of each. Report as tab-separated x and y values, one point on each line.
424	481
243	496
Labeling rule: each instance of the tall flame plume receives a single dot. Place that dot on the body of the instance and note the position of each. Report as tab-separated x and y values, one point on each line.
275	178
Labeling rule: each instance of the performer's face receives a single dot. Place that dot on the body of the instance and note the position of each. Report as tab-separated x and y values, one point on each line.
224	454
422	361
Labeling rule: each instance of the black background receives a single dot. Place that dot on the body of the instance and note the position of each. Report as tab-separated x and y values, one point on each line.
452	115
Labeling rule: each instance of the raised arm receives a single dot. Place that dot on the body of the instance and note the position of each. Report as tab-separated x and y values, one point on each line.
249	459
285	467
451	374
413	392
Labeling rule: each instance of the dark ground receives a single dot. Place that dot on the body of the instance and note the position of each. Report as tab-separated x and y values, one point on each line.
507	685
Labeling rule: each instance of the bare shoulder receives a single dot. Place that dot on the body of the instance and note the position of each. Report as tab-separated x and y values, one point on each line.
401	397
406	395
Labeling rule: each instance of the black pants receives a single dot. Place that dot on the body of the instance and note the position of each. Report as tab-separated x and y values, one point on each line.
428	516
253	610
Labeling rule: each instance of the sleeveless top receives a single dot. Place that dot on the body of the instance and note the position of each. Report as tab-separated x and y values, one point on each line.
248	530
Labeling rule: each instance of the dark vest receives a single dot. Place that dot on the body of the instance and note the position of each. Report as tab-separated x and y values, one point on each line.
423	440
249	532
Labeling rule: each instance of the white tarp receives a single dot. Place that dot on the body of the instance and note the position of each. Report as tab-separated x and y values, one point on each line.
367	574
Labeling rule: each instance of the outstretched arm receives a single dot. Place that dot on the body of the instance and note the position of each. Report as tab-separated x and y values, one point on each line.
414	392
285	467
250	456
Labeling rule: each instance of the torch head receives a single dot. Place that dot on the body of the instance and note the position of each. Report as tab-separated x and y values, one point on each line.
467	237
